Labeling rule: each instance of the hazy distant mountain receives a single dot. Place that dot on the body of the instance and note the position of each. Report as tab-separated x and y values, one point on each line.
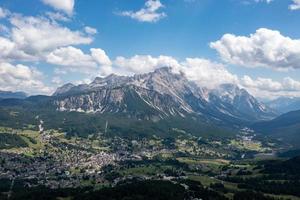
285	127
160	94
243	102
14	95
285	104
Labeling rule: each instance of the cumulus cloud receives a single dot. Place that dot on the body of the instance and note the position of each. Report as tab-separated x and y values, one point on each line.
207	73
22	78
43	39
100	56
270	89
72	58
34	35
31	38
147	14
142	63
295	5
265	84
66	6
291	84
6	47
204	72
265	48
75	60
10	51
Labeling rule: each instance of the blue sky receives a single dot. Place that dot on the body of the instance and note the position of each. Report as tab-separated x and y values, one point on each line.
137	36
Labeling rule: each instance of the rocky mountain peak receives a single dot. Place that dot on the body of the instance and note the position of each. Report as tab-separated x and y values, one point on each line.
112	80
231	92
63	89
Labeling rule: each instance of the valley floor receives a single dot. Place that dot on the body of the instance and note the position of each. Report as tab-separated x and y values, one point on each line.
53	165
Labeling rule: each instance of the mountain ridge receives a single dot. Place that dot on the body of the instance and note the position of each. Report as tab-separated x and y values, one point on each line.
285	104
160	89
285	127
12	95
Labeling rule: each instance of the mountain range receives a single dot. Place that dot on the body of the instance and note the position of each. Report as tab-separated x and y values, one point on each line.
160	94
286	127
158	102
12	95
285	104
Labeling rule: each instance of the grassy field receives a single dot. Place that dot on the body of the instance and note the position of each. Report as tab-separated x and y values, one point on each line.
146	170
248	145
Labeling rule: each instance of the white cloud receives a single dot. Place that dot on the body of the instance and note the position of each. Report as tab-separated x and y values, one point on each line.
270	89
84	81
59	71
265	48
66	6
10	51
295	5
75	60
207	73
266	84
267	1
100	56
204	72
56	80
35	35
3	13
30	38
22	78
142	64
6	47
249	2
147	14
90	30
291	84
57	16
4	30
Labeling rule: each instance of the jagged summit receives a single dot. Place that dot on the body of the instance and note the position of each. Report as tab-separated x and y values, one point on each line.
242	101
161	79
63	89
